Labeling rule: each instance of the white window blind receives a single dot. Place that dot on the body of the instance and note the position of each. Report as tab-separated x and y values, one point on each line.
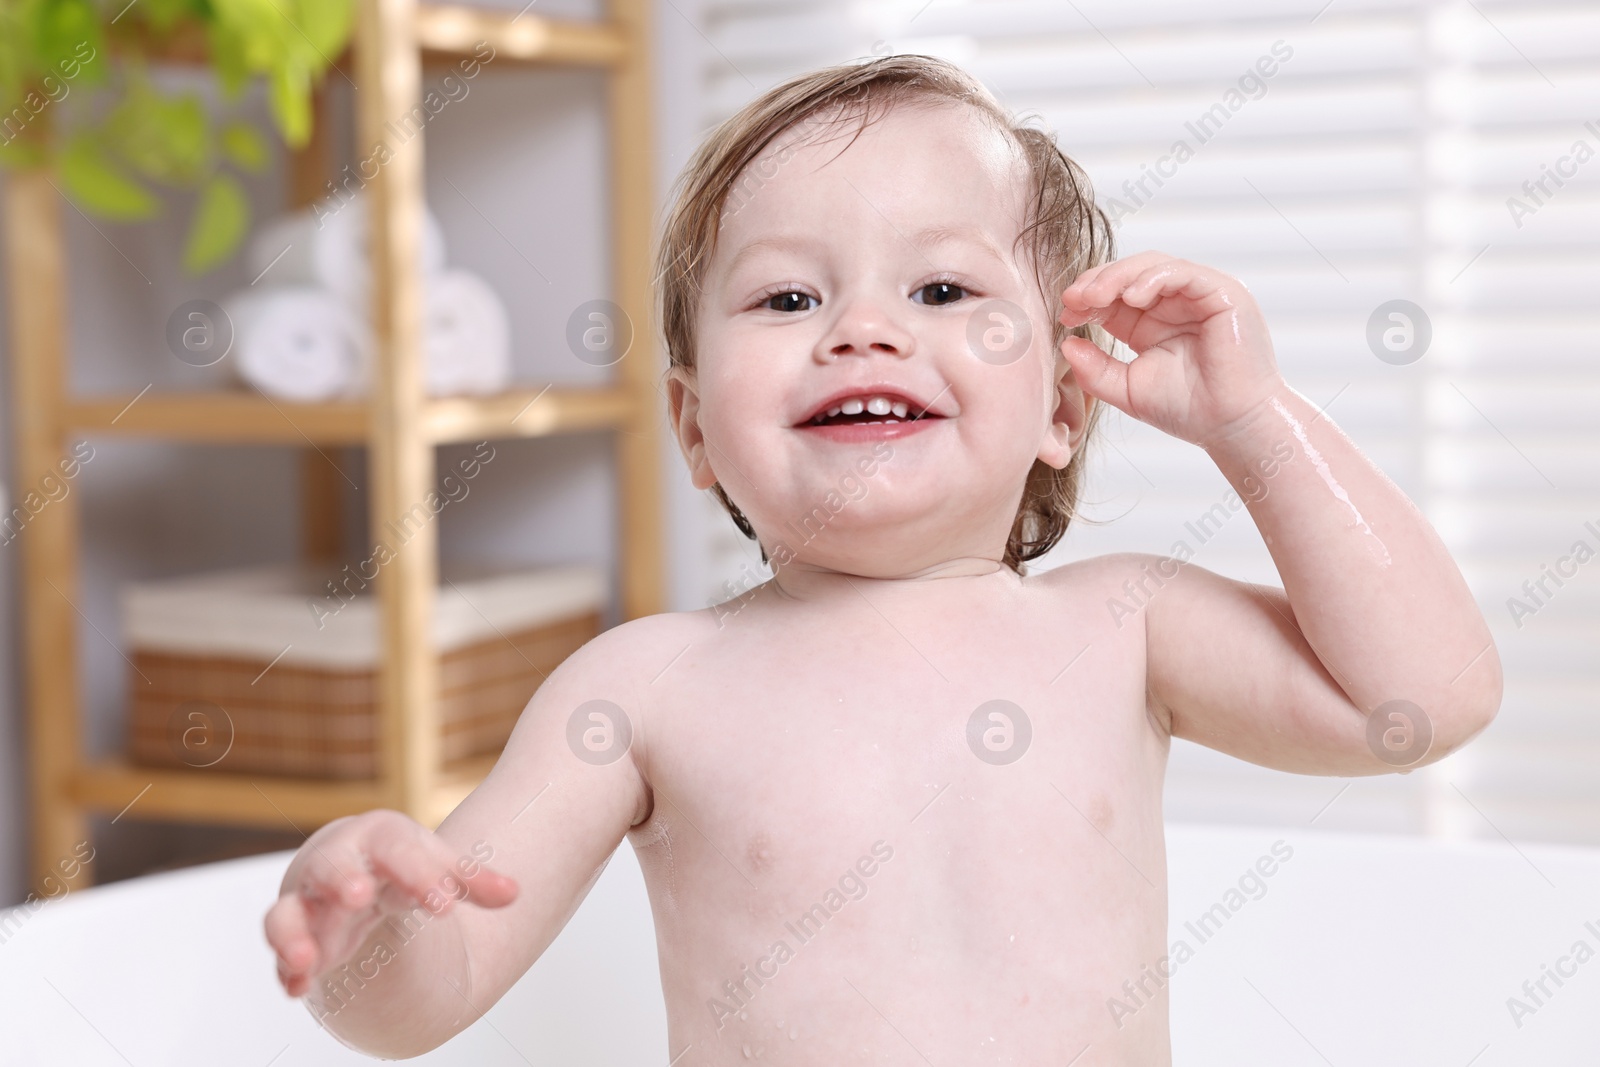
1373	163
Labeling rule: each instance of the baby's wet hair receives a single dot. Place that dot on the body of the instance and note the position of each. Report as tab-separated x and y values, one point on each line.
1064	231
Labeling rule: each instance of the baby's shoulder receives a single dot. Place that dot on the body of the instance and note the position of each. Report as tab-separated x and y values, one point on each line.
1106	593
635	650
1100	574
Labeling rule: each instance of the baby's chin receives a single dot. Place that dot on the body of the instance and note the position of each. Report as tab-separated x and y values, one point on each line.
875	547
882	566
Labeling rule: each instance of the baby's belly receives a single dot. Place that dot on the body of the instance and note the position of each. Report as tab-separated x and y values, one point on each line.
1005	918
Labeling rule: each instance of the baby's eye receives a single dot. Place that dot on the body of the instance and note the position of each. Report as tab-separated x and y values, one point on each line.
789	301
941	293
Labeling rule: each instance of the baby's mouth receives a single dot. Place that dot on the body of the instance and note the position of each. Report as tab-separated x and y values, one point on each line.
876	408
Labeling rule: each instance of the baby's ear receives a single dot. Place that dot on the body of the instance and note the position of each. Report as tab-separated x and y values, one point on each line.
683	408
1069	421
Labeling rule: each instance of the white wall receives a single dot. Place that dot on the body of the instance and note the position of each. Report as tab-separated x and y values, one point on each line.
525	151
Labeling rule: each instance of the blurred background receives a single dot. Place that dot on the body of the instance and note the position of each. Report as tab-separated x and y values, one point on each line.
1409	188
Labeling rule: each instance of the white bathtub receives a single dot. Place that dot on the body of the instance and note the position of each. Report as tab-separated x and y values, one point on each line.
1357	951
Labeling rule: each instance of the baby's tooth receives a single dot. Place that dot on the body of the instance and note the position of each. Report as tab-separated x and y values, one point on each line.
900	410
878	405
832	412
852	406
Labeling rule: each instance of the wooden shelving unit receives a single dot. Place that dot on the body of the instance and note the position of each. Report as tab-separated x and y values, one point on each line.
247	418
398	424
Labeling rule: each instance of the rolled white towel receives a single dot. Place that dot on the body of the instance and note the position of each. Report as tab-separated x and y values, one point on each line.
326	244
467	334
299	343
466	338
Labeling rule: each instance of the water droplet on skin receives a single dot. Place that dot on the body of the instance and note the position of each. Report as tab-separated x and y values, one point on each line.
1320	465
744	1015
1013	937
794	1032
747	1052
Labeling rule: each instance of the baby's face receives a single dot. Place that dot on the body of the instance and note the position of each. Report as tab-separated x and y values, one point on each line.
858	274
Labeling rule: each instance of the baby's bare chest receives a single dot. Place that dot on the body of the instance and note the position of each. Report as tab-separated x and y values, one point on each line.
976	811
982	759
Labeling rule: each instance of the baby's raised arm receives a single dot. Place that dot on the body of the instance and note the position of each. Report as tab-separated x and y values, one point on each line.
1374	656
369	924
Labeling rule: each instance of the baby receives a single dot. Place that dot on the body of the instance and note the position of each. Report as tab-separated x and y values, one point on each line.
901	803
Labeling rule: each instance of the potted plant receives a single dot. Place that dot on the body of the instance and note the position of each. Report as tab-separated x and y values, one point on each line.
126	137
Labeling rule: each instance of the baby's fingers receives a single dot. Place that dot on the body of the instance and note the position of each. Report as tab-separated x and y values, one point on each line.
491	889
288	931
424	868
407	864
338	877
1101	376
1099	286
1179	278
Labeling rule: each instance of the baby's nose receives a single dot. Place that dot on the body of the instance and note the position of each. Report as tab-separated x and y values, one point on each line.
864	328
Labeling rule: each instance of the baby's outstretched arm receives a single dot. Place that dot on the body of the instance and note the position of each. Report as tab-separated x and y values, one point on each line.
1378	658
372	924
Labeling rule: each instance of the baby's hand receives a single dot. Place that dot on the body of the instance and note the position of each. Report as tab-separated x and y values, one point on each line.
1203	357
354	873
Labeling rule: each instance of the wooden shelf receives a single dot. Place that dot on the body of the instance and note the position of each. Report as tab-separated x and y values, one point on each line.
240	417
450	31
530	413
117	787
445	33
396	423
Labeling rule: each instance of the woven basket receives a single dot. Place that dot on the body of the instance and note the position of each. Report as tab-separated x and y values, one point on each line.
239	715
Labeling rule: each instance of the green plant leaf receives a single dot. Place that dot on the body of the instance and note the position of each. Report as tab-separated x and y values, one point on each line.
228	59
99	186
326	25
164	138
244	146
65	28
290	98
261	30
185	130
218	226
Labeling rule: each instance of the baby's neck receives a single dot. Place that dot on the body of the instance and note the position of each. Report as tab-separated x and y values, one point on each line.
813	582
